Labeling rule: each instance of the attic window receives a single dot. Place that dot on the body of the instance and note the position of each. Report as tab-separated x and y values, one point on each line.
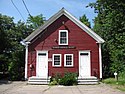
63	37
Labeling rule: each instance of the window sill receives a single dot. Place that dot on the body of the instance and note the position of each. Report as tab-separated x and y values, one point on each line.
63	44
69	66
56	66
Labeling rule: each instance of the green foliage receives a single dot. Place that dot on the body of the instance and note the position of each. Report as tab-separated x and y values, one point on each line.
16	66
84	20
69	79
110	25
53	81
35	21
109	81
117	84
113	81
11	51
6	23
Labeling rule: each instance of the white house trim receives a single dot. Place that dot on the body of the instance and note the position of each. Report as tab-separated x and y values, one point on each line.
26	60
100	60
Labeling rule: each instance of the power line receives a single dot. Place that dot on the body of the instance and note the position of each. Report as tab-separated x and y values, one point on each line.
26	8
18	10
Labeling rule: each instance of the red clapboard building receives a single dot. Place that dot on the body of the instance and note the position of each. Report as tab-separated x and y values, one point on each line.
63	44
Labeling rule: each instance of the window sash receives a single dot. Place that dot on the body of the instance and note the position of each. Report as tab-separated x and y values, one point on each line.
56	60
68	60
63	37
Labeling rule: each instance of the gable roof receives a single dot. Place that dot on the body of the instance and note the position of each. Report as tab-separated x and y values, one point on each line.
72	18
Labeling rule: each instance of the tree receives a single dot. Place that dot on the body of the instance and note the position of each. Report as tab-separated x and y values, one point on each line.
17	60
110	24
6	23
84	20
11	51
35	21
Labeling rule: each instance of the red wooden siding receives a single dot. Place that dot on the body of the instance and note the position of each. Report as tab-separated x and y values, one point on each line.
76	37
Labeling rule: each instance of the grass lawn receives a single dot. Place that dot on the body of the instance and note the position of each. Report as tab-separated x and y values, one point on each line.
120	84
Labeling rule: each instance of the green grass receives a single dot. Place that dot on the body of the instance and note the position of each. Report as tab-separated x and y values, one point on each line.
120	84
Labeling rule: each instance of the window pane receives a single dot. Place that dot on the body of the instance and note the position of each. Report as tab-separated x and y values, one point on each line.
63	40
68	58
56	62
63	34
68	62
56	58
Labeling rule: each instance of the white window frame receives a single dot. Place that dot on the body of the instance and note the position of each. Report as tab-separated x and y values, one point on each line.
72	63
66	37
60	60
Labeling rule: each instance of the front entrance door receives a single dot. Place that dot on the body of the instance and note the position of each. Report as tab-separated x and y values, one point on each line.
42	64
84	64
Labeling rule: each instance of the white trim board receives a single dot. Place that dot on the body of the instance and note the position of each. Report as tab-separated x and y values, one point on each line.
26	60
100	60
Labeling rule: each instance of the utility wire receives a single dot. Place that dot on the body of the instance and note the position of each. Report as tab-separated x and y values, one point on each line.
18	10
26	8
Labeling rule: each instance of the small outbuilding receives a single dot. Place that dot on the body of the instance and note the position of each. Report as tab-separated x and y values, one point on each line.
63	44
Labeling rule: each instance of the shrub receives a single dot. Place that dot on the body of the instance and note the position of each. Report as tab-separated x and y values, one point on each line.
57	77
53	81
68	79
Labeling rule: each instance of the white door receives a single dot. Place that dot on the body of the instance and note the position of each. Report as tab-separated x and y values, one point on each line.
42	64
84	64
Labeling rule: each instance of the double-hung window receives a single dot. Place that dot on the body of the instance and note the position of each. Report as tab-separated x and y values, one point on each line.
57	60
68	60
63	37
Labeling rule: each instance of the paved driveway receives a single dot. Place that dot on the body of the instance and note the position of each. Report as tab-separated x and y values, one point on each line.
23	88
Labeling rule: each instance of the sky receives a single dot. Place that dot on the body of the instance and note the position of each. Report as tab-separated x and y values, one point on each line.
46	7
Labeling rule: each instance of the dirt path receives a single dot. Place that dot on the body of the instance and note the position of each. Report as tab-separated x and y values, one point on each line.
23	88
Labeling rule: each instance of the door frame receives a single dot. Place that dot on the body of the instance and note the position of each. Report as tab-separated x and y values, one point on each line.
40	51
89	54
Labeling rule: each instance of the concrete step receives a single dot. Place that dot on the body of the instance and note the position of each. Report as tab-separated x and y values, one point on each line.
38	80
88	80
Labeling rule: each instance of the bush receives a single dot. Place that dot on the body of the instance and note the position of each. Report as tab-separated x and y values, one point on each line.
68	79
16	72
53	81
